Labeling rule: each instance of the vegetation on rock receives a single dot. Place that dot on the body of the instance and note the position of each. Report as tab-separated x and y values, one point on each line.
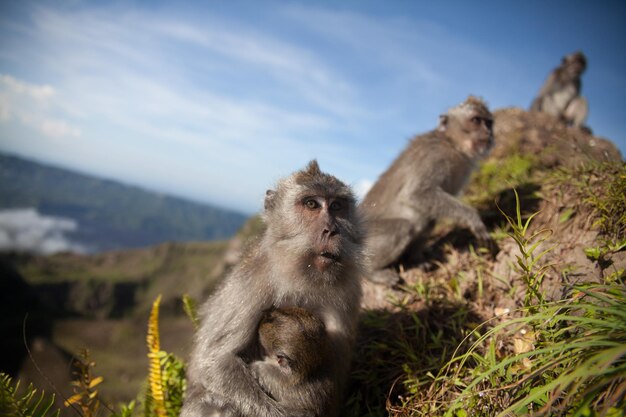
537	329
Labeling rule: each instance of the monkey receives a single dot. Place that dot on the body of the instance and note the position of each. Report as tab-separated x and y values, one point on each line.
421	185
310	256
560	93
293	350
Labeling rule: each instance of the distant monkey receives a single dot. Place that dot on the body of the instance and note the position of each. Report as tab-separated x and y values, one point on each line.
294	351
560	93
421	184
310	256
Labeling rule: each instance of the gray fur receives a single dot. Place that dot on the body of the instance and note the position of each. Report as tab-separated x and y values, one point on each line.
421	186
560	93
279	272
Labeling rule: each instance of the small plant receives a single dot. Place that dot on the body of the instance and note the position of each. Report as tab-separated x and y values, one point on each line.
166	379
85	386
608	200
29	403
599	191
155	401
572	362
527	262
191	309
126	410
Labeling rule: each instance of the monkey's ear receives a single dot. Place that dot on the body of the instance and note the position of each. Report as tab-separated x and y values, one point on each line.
443	123
270	199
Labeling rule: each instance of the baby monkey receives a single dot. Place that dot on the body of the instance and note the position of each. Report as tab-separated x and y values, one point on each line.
293	347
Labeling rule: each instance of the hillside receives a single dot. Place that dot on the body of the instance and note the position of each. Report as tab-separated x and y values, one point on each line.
71	301
447	338
467	330
109	215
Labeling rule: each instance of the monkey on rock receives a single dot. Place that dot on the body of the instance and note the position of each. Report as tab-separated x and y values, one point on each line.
560	93
421	186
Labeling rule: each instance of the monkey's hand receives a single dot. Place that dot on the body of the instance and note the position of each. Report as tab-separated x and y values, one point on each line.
266	375
480	231
484	239
449	206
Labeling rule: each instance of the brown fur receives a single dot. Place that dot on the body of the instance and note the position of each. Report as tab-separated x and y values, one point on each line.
421	184
294	354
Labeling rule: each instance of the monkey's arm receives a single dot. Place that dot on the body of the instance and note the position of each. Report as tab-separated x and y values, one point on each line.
217	372
442	204
270	379
311	396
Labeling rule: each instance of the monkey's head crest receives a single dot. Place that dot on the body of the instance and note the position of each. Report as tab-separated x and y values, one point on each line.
309	173
310	179
472	103
577	57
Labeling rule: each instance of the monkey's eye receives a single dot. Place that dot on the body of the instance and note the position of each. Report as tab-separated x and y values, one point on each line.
336	205
311	204
476	120
283	360
489	123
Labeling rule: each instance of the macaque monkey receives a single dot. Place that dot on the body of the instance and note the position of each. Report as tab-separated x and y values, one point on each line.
311	257
560	93
421	186
294	351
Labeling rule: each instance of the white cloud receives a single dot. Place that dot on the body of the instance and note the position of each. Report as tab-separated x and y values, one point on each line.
59	128
216	108
33	105
224	105
362	187
38	92
25	230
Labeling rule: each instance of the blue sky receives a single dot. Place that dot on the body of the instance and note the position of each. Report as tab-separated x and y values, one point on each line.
215	101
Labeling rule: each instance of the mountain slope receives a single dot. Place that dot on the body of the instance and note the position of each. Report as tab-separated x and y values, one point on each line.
110	215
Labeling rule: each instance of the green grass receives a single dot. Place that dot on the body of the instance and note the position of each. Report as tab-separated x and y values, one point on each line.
435	355
495	176
438	349
573	363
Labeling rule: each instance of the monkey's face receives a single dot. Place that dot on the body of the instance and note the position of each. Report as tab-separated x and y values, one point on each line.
574	65
470	127
325	218
472	131
574	69
481	133
312	221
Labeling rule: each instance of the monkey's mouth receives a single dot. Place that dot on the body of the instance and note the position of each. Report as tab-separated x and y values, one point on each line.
330	256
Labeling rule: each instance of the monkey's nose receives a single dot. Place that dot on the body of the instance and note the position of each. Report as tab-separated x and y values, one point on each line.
330	231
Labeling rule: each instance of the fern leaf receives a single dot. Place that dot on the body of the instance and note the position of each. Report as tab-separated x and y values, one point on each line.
155	390
28	404
95	381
